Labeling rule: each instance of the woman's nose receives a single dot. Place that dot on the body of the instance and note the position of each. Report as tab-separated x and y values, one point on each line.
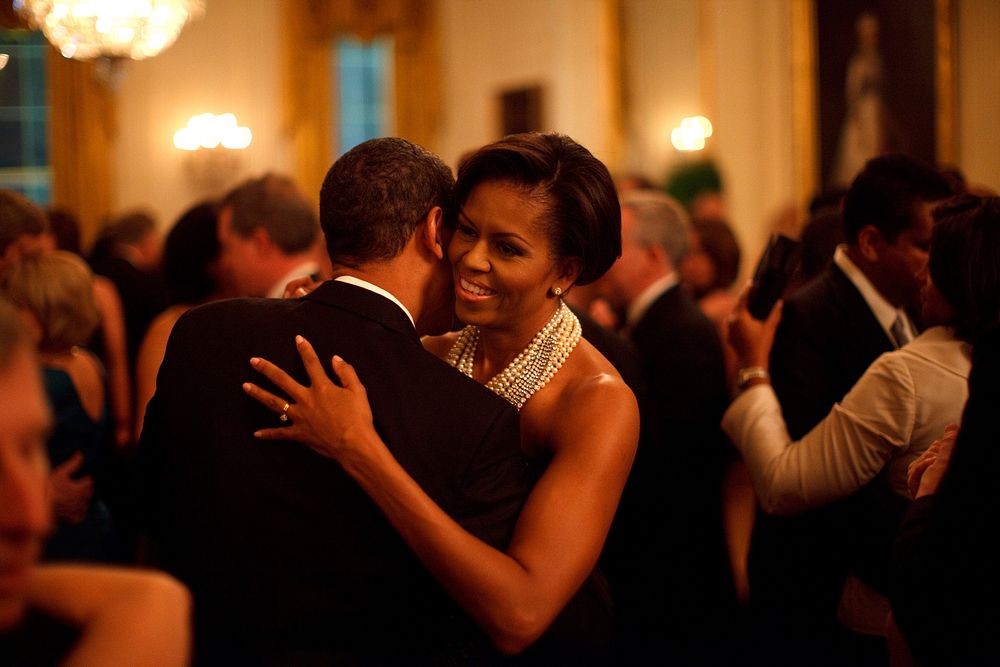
476	258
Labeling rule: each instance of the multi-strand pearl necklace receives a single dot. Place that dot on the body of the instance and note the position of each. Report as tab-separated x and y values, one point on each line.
533	367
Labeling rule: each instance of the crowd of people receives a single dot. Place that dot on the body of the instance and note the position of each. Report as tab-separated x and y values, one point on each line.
517	415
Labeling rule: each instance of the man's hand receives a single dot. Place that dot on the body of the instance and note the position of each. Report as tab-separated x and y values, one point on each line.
70	497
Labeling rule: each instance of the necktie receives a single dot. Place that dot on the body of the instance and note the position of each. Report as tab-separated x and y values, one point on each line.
899	334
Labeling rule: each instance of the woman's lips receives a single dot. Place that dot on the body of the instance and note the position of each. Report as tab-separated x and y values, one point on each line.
473	291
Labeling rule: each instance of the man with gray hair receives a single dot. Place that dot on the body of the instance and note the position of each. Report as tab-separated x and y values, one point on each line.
666	552
267	235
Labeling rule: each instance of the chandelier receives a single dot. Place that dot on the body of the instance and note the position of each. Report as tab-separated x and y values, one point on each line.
115	29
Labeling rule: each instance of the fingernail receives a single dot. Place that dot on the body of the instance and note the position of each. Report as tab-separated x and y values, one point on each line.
301	291
299	340
337	358
247	387
254	361
256	434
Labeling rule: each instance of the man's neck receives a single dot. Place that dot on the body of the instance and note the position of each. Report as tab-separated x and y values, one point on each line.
650	292
870	269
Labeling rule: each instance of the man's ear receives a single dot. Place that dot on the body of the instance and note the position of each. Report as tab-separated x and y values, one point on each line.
262	241
433	233
871	243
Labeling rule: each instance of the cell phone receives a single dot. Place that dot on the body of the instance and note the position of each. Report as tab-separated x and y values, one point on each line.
776	267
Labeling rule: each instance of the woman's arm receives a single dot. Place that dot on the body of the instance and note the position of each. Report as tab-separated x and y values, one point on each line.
113	331
840	454
147	362
126	617
514	596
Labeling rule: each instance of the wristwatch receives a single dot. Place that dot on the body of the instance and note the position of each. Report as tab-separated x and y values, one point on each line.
744	375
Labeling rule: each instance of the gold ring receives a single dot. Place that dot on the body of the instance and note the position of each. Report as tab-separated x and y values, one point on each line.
284	413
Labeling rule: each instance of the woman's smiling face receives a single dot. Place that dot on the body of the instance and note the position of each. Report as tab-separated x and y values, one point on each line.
502	261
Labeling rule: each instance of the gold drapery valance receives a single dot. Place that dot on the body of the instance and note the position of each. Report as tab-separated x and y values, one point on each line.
81	128
310	28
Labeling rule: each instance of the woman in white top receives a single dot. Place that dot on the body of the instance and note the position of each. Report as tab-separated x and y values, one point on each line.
903	401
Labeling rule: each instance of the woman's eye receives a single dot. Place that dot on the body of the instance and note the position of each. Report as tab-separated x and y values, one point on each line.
466	230
508	250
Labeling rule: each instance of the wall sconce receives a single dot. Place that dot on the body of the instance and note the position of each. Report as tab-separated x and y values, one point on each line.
213	146
691	134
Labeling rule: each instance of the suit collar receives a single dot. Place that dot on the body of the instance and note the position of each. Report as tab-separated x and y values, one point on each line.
365	303
637	309
883	311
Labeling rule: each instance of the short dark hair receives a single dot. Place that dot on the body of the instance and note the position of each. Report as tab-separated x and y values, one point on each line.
191	246
18	216
965	262
583	216
65	228
886	193
375	196
719	243
274	203
12	333
129	228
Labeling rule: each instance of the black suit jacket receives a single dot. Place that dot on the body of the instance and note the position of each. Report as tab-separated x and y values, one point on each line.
666	555
827	338
288	560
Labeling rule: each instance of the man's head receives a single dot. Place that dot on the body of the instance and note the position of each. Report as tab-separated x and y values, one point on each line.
887	223
133	236
266	227
655	239
22	226
24	424
373	200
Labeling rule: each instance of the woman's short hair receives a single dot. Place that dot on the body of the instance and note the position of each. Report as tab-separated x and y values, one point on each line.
965	261
583	216
189	251
719	243
57	288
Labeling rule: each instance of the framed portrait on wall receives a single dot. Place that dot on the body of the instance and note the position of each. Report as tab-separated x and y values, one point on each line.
879	79
520	110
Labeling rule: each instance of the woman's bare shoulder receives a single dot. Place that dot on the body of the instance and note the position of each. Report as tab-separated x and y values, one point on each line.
439	345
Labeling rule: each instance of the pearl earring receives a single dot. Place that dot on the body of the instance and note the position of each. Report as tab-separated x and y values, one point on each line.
557	291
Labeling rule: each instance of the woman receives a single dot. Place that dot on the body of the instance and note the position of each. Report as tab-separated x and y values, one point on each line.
194	276
538	214
55	297
900	405
945	582
711	266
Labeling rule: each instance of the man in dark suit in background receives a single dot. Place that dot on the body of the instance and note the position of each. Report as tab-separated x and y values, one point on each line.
666	554
288	560
831	330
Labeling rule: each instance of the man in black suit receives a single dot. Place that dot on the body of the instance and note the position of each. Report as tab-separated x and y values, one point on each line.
288	560
831	330
666	555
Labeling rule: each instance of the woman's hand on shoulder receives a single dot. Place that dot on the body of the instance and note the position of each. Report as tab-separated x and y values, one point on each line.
333	421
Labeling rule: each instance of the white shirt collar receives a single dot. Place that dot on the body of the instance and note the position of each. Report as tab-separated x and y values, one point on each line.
354	280
301	271
637	309
883	311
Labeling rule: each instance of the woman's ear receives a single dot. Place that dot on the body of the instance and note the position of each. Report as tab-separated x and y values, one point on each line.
569	269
